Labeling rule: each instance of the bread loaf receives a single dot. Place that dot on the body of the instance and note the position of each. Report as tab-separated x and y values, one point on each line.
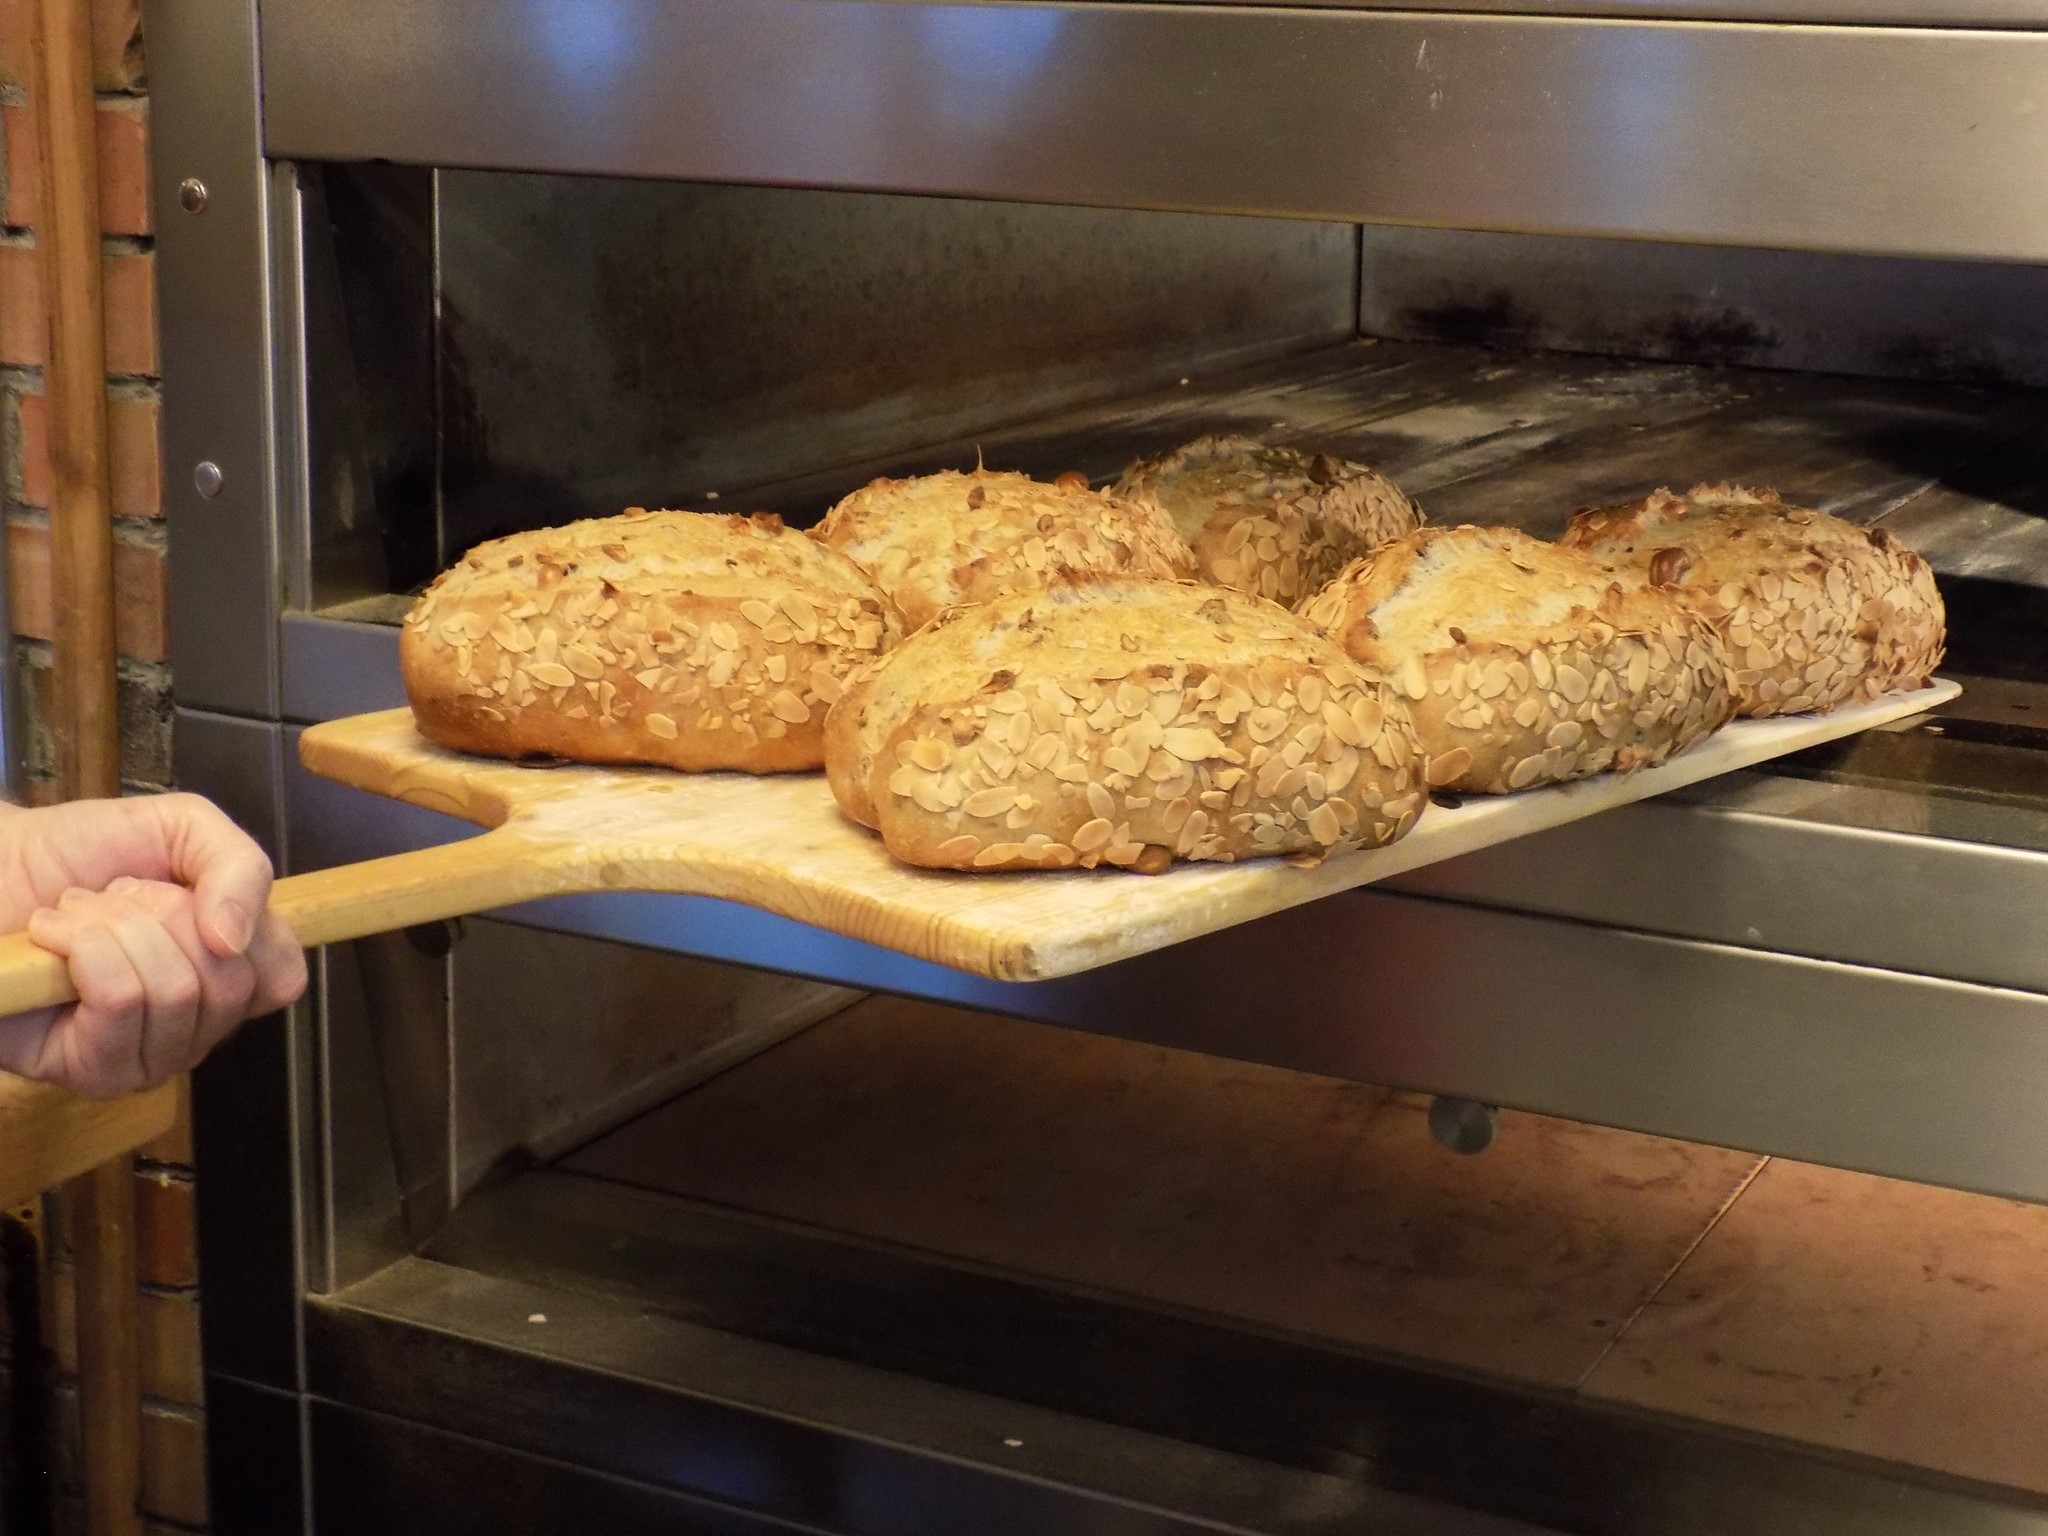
941	540
1815	611
1523	663
1110	720
1271	521
673	638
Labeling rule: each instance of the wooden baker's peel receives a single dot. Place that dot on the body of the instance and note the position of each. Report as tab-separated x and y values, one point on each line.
780	843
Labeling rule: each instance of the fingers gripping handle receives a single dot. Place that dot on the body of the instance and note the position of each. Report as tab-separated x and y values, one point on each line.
330	905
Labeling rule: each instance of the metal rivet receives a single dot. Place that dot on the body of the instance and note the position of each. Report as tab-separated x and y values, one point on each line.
1463	1126
192	195
207	478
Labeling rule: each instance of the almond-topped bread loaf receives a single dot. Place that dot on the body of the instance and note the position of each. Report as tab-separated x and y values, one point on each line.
1126	722
1816	611
941	540
681	639
1524	663
1271	521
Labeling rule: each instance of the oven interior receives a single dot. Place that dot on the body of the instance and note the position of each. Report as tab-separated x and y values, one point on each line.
775	1240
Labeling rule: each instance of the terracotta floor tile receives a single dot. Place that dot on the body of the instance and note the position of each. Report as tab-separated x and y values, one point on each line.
1289	1200
1872	1316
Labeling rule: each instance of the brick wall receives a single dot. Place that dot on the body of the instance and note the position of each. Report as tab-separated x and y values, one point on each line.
174	1491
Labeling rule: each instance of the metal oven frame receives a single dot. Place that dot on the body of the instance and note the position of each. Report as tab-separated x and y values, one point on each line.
1835	982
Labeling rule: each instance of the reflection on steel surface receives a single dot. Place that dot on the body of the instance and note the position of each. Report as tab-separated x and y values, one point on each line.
1930	141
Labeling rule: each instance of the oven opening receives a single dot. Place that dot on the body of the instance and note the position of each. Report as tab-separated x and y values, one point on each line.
1194	1203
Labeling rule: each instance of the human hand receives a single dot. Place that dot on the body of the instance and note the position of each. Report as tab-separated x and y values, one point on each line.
159	905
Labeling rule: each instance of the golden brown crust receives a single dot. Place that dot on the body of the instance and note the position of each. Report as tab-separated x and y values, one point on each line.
1816	611
941	541
1120	721
1272	521
1523	663
680	639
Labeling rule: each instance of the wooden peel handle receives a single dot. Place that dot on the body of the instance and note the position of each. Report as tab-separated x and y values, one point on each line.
330	905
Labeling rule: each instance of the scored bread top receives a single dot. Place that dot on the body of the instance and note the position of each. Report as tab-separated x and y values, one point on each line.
691	640
1270	520
1124	721
1815	610
938	541
1524	663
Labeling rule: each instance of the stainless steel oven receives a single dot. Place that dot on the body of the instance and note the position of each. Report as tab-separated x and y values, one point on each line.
436	269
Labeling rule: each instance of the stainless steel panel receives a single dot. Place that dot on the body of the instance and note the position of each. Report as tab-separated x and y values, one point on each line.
384	1127
239	765
335	667
609	343
373	432
651	1396
385	1045
1977	322
1766	863
213	280
558	1039
2030	14
1930	142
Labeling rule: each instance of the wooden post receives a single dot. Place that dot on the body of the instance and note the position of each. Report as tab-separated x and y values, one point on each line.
100	1206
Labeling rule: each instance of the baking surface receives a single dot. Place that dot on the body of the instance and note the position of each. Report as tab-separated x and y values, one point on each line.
1803	1304
781	844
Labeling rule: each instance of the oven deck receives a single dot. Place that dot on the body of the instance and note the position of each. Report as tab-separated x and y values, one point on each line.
1098	1271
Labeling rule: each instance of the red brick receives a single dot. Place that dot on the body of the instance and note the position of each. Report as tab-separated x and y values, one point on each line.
135	456
129	296
14	24
117	59
170	1348
174	1465
32	470
123	134
167	1332
24	169
130	299
134	430
124	168
166	1248
22	336
141	596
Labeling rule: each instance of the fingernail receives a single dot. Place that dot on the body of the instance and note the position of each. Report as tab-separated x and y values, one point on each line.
233	925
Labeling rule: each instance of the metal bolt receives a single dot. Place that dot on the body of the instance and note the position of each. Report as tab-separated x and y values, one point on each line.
192	195
1462	1125
207	478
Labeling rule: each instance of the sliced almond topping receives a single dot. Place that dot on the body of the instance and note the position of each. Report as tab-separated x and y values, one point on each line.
1323	825
1193	744
551	674
662	726
1449	766
986	803
801	614
958	850
1091	835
